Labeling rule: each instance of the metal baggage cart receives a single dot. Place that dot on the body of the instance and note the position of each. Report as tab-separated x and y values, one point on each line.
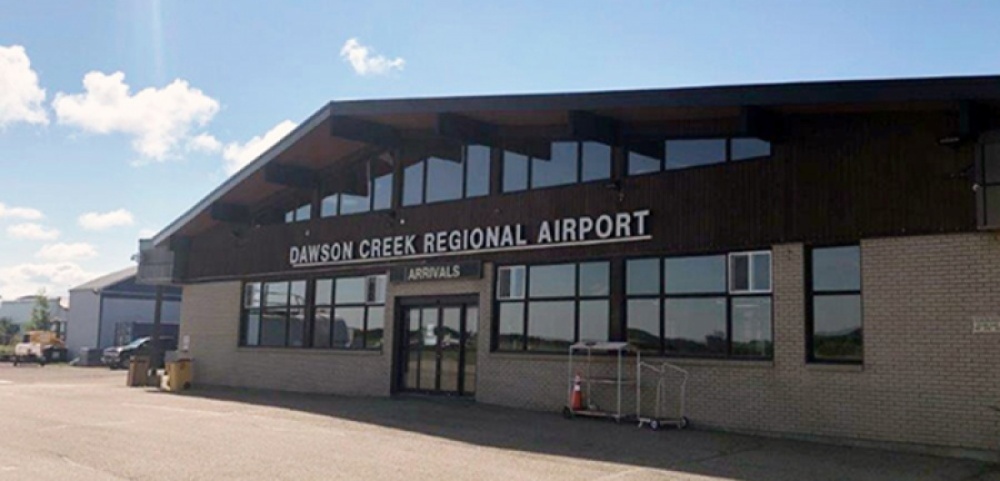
589	381
659	374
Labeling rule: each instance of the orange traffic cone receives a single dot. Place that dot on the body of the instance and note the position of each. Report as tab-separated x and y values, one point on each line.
576	397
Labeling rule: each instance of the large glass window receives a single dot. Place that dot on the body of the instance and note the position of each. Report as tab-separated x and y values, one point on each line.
437	180
686	153
835	304
346	313
355	319
570	162
299	214
685	306
273	314
378	195
545	308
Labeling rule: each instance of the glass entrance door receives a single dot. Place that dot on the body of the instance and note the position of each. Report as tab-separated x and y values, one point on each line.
439	348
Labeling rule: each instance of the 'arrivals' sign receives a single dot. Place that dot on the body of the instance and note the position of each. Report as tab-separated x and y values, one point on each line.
564	232
437	272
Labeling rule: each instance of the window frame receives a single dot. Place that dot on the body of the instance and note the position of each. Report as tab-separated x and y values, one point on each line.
579	168
526	300
750	291
810	300
309	308
728	157
727	295
464	189
370	197
262	307
333	305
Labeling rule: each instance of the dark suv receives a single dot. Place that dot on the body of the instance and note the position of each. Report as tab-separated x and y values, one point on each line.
118	357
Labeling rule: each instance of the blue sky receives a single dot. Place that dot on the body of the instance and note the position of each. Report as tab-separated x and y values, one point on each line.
178	94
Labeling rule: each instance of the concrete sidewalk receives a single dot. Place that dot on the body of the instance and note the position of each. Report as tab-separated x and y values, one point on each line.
71	423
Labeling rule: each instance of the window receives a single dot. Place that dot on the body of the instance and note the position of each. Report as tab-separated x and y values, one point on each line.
988	195
686	153
569	163
274	314
299	214
835	333
688	306
378	194
545	308
349	312
438	180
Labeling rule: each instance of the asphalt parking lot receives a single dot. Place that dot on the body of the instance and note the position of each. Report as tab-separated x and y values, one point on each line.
64	423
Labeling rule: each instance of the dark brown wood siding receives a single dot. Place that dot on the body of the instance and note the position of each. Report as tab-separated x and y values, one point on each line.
835	178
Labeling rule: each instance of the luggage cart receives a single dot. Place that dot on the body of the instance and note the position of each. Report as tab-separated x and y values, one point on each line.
657	421
588	379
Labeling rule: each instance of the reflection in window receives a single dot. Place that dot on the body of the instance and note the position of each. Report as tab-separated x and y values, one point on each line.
515	172
566	303
836	314
561	169
686	153
444	180
377	193
436	179
749	148
699	316
686	275
682	154
695	325
569	162
413	184
299	214
272	315
477	171
356	317
595	160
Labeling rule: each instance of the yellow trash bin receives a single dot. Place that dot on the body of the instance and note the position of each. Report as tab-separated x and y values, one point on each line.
179	375
138	371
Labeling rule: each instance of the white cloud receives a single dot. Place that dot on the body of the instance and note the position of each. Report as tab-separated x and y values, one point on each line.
30	231
147	233
158	120
101	221
66	252
25	213
237	155
20	96
364	61
204	143
26	279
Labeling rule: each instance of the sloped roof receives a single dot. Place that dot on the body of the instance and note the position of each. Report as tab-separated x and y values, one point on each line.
313	145
107	280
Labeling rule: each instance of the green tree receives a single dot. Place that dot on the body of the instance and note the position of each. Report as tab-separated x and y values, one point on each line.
8	330
41	316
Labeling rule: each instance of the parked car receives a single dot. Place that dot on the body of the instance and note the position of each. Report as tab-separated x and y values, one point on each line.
118	357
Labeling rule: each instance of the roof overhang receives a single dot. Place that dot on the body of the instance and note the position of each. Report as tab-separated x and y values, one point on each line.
345	129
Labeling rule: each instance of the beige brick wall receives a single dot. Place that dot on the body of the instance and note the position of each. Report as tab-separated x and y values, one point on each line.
210	315
926	379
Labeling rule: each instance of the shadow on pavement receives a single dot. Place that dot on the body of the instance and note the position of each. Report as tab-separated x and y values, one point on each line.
694	452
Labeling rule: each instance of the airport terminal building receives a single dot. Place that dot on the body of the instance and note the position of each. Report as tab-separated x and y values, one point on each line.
821	257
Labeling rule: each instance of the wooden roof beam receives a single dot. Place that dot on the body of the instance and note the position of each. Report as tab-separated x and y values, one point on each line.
760	123
364	131
291	176
226	212
585	125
